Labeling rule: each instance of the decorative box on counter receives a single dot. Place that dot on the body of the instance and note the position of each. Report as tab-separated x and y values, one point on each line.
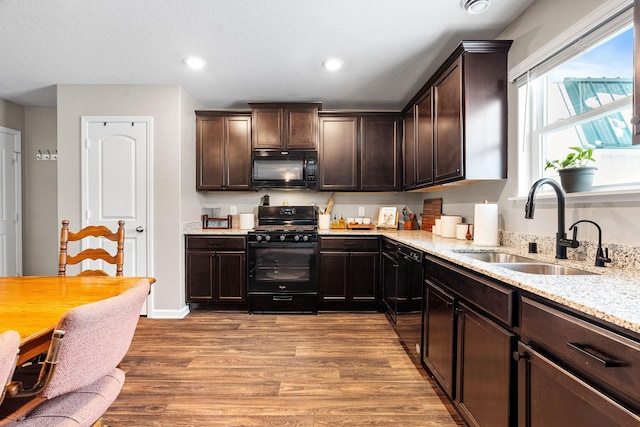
213	223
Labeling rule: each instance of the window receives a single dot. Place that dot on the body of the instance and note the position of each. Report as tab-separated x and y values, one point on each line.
582	96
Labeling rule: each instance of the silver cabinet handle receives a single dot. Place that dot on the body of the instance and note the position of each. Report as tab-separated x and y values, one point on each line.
139	229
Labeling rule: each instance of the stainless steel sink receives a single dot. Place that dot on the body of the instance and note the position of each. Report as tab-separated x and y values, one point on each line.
543	268
500	257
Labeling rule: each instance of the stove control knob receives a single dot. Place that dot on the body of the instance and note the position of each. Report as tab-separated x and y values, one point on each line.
258	238
282	238
305	238
296	238
267	238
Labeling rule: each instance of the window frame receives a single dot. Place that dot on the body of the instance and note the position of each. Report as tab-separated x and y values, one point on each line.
577	39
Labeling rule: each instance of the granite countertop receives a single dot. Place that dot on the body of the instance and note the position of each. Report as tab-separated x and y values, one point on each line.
612	294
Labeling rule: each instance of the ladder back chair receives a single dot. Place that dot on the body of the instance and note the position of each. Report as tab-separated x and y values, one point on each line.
98	231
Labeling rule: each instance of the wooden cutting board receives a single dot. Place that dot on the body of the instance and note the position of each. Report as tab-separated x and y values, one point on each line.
431	210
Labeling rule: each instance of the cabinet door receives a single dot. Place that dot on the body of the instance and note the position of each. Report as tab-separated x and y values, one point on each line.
409	149
424	141
484	370
231	276
379	153
209	153
363	276
390	284
200	274
338	157
549	396
238	153
334	276
439	347
268	123
448	124
302	128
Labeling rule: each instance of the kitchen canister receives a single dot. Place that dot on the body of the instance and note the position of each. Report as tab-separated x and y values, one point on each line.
462	230
438	227
247	221
448	225
485	230
324	221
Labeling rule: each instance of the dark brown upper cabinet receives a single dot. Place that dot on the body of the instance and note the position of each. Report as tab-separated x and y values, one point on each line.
223	151
460	118
285	126
359	152
418	143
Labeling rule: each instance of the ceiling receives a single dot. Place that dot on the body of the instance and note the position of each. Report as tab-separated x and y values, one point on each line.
255	50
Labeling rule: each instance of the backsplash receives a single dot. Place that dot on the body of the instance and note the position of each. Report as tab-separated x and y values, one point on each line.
622	256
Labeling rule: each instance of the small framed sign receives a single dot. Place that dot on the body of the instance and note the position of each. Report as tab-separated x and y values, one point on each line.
388	217
216	222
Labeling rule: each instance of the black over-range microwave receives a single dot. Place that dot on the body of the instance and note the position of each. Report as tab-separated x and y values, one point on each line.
284	169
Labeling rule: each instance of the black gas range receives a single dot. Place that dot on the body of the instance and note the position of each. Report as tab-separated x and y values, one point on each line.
282	253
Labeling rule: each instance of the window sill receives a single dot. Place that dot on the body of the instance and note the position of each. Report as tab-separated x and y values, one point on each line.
609	195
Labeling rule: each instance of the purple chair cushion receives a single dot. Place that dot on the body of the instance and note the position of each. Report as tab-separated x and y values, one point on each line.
9	343
81	407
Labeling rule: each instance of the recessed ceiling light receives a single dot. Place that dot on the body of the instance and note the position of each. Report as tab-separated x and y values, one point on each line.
332	64
194	62
475	7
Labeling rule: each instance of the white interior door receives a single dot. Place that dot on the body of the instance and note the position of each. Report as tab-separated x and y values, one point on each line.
10	203
115	184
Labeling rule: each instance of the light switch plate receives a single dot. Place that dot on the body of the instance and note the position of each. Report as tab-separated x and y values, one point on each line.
360	210
233	210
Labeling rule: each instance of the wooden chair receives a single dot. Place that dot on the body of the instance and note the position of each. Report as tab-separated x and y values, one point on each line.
85	380
9	347
98	231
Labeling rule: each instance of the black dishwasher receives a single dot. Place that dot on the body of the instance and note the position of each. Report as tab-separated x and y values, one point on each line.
404	300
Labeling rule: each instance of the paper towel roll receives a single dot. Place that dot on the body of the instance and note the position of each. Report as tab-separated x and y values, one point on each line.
247	221
485	230
448	225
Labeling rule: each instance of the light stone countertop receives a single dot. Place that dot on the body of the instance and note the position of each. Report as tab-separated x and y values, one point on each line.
612	295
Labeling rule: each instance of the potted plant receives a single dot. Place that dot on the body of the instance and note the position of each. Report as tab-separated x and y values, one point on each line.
575	172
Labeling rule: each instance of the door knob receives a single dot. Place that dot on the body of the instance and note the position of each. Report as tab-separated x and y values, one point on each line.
139	229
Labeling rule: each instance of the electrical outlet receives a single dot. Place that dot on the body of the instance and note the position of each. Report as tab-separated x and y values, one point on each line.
360	210
234	210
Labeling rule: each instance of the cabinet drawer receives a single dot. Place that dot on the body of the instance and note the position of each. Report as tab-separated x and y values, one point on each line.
216	243
485	294
608	360
389	245
349	244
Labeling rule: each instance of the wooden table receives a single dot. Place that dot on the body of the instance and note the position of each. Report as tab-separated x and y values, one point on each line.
33	305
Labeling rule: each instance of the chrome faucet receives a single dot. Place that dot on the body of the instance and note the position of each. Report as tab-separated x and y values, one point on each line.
601	257
562	243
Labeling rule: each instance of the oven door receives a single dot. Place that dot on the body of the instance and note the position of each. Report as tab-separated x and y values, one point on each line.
282	267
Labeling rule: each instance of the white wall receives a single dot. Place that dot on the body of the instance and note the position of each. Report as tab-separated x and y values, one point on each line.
40	200
163	103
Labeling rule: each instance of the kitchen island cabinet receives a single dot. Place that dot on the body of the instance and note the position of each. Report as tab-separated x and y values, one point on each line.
223	151
348	277
292	126
216	271
359	152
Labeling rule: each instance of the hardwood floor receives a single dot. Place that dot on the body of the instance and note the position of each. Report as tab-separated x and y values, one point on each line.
236	369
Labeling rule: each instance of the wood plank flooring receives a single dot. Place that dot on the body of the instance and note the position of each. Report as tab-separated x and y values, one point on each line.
236	369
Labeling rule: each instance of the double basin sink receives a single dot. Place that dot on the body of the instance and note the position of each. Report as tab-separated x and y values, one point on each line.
524	264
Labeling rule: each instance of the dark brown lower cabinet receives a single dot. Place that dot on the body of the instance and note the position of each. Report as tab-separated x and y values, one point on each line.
438	336
484	369
348	273
216	271
550	396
